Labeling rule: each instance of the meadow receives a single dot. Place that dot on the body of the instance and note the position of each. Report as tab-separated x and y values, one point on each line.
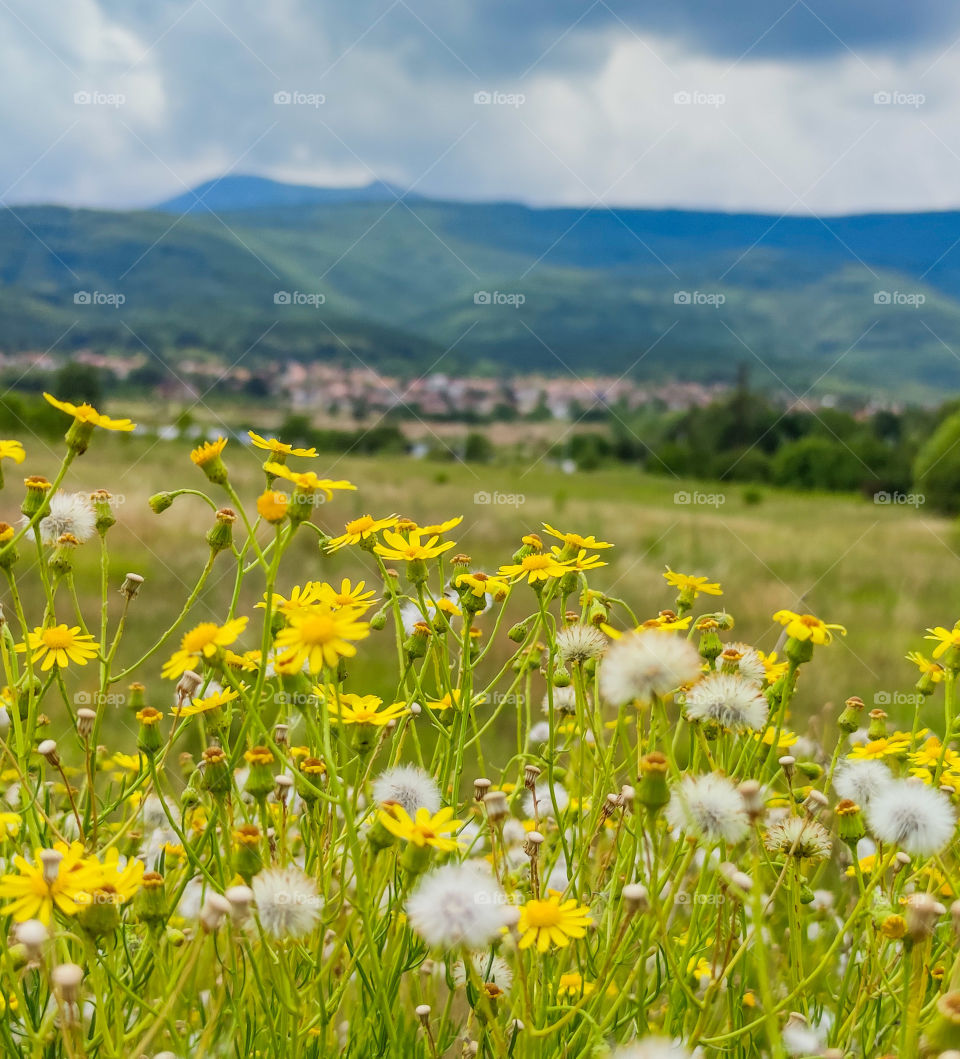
587	765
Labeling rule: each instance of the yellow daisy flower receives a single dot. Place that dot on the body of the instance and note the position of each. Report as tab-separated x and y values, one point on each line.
807	627
535	567
946	638
321	635
424	829
299	599
575	540
347	596
926	666
439	527
409	548
482	584
86	413
272	506
552	922
60	645
691	586
208	451
202	641
360	529
348	708
887	746
40	887
307	480
580	561
12	450
206	703
280	448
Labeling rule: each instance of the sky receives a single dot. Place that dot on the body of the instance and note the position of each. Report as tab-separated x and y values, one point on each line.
781	106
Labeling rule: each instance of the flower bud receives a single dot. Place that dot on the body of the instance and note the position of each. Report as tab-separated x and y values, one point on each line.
131	586
159	502
35	499
102	510
653	791
220	536
86	718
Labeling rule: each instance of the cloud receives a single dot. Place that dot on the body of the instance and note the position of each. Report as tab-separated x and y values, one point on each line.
742	106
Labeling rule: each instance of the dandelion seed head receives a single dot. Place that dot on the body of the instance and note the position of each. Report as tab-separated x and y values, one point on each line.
69	513
458	904
647	663
728	700
564	700
751	664
861	781
913	816
409	786
799	836
496	970
288	905
579	643
710	807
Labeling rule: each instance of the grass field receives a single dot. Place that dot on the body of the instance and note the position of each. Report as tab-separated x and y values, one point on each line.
870	567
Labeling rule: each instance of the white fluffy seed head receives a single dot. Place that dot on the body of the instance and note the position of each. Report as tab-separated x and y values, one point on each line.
458	904
751	664
729	700
913	816
861	781
564	700
642	664
579	643
496	970
799	836
287	902
409	786
709	807
69	513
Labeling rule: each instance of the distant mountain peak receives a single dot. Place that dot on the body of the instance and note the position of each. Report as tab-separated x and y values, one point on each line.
249	192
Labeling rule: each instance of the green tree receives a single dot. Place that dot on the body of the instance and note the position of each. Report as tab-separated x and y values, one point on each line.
936	469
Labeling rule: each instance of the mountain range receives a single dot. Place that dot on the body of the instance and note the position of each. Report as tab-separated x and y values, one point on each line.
249	268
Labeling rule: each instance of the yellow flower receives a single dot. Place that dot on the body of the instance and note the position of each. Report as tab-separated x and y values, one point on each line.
86	413
700	969
807	627
571	984
887	746
111	884
425	829
867	864
692	586
320	636
278	447
552	922
787	738
409	548
299	599
535	567
773	670
272	506
208	451
12	450
348	708
926	667
893	926
574	540
60	645
947	638
205	704
38	888
347	596
482	584
580	561
307	480
929	755
202	641
10	824
439	527
360	529
451	699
